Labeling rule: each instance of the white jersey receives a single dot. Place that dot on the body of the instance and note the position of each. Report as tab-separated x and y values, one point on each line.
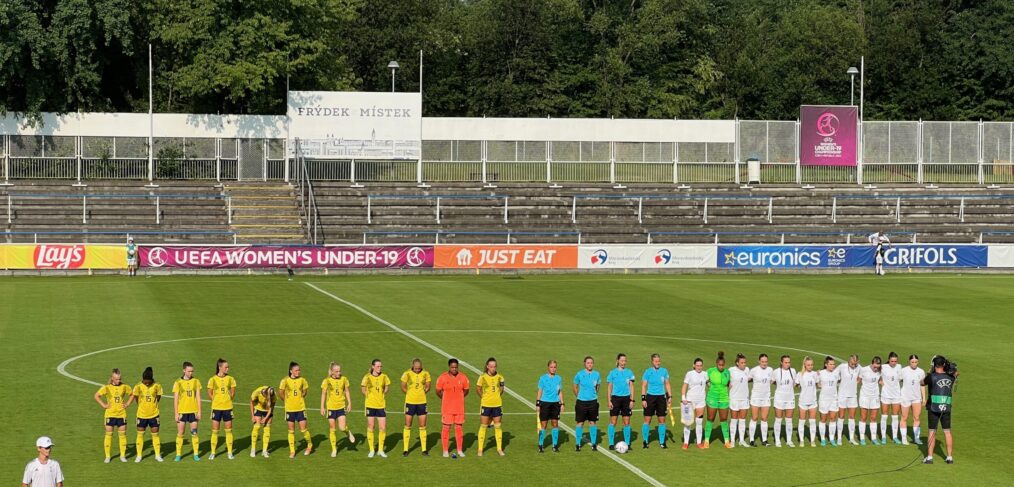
39	474
807	387
761	377
892	381
828	386
696	383
848	378
739	389
911	383
785	384
871	383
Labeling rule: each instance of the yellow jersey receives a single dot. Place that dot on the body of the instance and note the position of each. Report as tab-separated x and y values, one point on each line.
220	387
294	394
147	399
116	398
416	393
375	390
335	392
189	395
260	400
492	389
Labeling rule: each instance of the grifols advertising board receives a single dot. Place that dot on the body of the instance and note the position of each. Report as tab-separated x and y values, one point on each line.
828	135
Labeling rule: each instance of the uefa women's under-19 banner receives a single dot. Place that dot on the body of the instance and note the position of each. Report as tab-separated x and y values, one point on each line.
286	256
828	135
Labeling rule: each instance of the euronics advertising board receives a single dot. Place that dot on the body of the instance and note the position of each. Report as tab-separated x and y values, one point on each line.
63	256
356	125
285	256
836	257
647	256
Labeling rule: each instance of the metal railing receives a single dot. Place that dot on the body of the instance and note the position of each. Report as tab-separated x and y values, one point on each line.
437	199
897	199
715	237
510	236
307	202
11	237
156	200
704	200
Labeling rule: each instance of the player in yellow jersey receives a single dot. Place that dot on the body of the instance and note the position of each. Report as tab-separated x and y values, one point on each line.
489	386
187	409
293	391
375	385
114	397
335	403
147	394
415	383
221	390
262	409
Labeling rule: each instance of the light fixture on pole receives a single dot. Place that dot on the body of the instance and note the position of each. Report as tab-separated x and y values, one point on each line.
852	72
393	65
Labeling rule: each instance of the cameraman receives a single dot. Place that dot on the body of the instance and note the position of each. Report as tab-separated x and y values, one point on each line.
940	390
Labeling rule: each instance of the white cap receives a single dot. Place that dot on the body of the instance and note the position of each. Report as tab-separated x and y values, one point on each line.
44	442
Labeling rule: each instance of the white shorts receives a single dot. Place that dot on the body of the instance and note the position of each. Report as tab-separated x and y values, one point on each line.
762	402
827	407
739	404
132	261
847	402
869	402
807	406
890	400
697	403
909	402
785	405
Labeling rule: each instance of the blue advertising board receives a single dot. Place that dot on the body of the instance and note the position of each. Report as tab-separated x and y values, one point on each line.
848	256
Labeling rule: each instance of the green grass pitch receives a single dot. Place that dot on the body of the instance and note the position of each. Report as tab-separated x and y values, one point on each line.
261	323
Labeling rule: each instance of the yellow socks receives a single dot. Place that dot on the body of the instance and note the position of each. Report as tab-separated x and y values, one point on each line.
499	436
195	442
422	438
406	434
380	440
179	445
228	440
369	440
156	445
482	437
334	440
123	444
214	441
308	438
107	443
139	442
267	438
253	436
292	442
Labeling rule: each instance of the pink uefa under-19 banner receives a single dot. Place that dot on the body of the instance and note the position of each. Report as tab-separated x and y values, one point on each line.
285	256
828	135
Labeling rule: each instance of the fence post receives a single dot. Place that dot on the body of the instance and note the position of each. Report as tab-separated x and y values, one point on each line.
640	206
771	205
573	211
897	209
961	210
919	159
158	214
649	238
706	205
77	160
84	208
834	209
505	198
799	167
612	162
9	218
7	160
549	162
228	209
981	133
438	210
369	212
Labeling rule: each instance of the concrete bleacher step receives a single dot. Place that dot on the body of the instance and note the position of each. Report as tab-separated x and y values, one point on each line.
265	211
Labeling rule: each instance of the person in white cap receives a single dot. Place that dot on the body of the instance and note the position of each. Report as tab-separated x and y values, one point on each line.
43	471
131	257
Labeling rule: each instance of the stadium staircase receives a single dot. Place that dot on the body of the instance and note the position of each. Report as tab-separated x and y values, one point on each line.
265	212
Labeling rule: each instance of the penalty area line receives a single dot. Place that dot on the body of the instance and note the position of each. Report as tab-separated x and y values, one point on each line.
612	456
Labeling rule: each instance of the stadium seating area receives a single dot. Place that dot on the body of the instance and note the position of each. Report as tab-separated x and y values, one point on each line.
261	212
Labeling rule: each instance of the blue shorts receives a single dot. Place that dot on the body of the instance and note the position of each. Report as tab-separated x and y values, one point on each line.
492	412
221	414
147	423
115	422
263	414
188	418
415	410
335	413
376	413
295	417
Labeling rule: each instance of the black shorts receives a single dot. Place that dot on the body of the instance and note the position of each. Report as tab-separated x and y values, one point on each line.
548	410
415	410
116	422
147	422
586	411
335	413
656	406
493	412
376	413
221	415
188	418
943	418
621	406
263	414
295	417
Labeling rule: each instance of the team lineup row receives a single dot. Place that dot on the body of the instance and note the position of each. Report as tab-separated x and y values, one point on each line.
717	393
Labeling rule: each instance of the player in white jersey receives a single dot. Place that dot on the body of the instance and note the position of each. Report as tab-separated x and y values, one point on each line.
784	378
760	399
848	379
693	393
913	398
869	400
739	397
890	397
807	381
827	403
